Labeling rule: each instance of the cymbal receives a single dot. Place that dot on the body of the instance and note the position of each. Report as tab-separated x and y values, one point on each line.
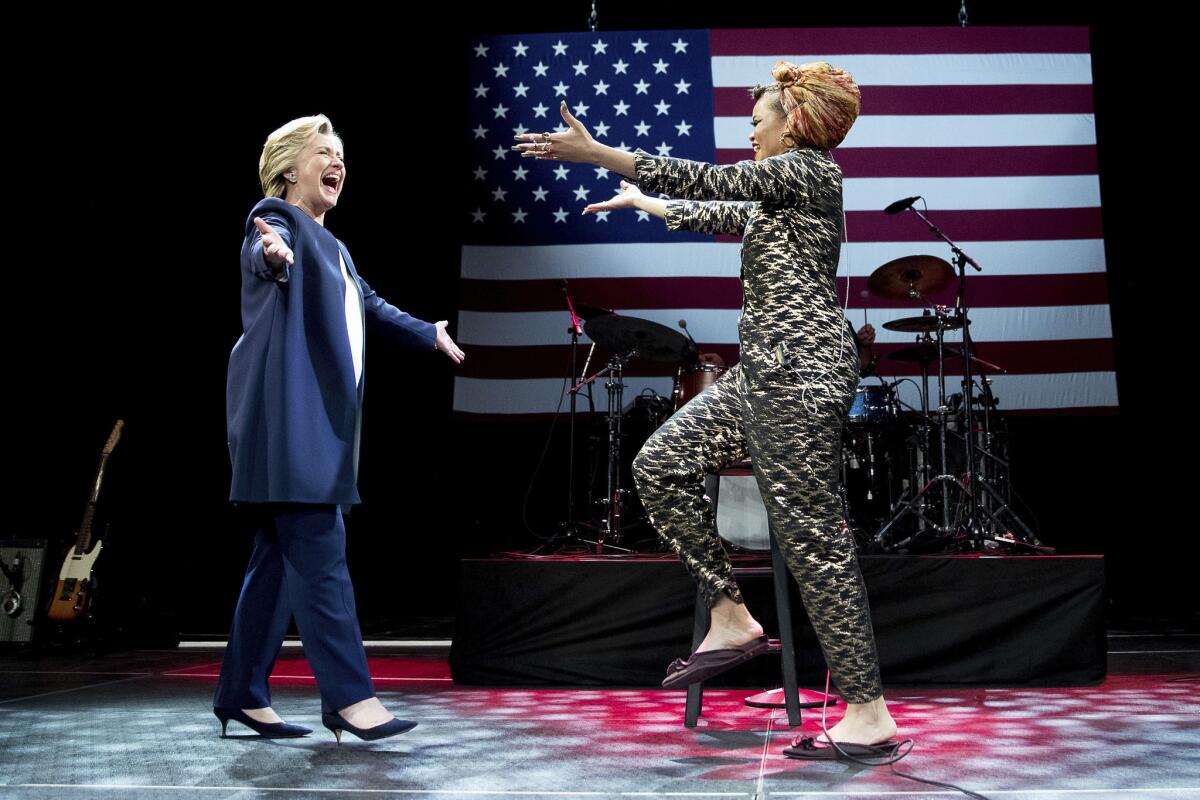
911	276
926	323
651	340
923	353
591	312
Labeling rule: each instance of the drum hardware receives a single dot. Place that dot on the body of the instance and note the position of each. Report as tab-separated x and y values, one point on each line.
579	313
980	524
627	338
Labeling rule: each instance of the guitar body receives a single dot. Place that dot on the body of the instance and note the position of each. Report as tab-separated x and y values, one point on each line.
71	596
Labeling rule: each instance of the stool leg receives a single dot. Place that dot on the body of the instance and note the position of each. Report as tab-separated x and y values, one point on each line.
695	692
787	647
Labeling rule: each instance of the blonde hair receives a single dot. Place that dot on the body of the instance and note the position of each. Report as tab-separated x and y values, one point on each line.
819	102
283	147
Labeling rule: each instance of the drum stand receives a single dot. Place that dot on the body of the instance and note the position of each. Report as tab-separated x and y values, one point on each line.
614	495
984	525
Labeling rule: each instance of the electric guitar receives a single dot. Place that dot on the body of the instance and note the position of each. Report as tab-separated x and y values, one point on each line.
71	597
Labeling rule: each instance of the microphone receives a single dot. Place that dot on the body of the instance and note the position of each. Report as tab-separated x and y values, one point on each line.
902	205
695	347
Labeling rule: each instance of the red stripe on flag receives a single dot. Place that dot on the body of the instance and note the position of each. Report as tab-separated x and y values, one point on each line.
622	294
952	162
898	41
1006	225
1068	98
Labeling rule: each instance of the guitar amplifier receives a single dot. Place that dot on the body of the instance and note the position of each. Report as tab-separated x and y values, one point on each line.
22	573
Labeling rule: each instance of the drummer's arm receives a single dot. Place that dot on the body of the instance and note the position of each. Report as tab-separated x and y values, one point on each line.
864	339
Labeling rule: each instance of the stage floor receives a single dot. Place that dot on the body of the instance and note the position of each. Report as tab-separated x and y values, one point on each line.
139	725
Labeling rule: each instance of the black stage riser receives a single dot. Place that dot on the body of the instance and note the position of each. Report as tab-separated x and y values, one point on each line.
1004	621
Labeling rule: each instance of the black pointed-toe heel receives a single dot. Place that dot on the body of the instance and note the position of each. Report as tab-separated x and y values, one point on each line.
267	730
337	723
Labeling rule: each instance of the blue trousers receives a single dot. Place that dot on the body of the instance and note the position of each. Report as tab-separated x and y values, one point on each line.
298	567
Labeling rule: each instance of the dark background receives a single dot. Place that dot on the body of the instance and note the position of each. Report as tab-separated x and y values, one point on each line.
132	159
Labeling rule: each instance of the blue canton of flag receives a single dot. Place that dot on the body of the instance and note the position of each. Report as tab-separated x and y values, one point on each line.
649	89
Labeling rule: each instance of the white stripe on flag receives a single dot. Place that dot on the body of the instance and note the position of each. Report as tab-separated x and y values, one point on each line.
719	326
952	130
1020	392
539	395
723	259
932	69
975	194
512	262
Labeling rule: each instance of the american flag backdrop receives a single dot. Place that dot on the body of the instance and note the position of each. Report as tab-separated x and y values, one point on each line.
993	126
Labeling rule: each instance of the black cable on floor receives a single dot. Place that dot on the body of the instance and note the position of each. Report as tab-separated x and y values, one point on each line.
890	755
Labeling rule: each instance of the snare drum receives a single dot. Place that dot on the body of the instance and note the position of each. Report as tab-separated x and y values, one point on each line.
699	376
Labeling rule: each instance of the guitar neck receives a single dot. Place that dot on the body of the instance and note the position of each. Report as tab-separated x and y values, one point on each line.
84	539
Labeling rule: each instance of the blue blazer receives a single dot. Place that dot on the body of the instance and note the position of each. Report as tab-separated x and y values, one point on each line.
293	408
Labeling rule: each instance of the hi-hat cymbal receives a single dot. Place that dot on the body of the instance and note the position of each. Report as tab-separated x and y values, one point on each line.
923	353
926	323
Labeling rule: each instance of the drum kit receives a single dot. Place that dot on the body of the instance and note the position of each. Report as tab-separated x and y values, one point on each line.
933	477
